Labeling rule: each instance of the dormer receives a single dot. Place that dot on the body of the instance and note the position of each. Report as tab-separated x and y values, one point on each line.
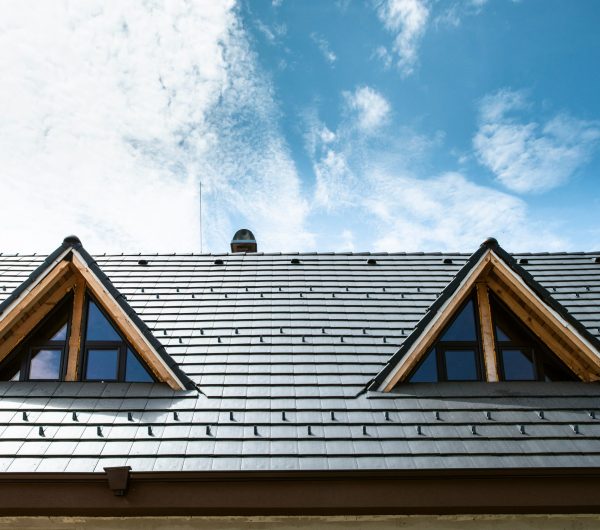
492	323
67	322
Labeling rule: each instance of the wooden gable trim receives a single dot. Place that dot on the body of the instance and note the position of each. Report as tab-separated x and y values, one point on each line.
20	308
131	332
490	360
494	274
547	325
70	273
422	344
32	316
74	346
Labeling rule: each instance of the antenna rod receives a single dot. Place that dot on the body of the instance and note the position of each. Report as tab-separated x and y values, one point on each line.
200	194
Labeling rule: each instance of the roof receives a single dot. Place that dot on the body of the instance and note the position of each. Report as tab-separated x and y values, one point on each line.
277	348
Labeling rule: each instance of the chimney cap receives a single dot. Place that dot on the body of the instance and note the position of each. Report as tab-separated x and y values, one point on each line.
243	241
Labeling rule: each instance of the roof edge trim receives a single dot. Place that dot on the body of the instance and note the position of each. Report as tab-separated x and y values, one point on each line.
90	270
490	256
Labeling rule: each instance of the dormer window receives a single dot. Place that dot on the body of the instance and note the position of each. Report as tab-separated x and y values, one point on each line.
106	355
457	355
521	356
68	322
42	357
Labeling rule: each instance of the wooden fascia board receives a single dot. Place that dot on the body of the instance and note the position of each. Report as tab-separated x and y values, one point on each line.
557	321
541	329
43	284
33	313
434	327
490	261
137	339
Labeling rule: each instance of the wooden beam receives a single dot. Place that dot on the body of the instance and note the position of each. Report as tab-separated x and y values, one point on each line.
487	333
423	343
73	352
557	323
546	330
36	293
31	316
127	327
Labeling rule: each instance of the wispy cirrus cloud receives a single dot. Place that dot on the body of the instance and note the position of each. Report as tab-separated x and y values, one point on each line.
378	184
324	48
407	21
371	108
451	212
529	155
111	114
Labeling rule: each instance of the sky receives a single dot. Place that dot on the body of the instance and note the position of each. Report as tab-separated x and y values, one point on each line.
338	125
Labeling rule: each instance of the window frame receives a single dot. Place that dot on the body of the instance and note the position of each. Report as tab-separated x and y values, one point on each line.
27	349
122	346
440	347
538	349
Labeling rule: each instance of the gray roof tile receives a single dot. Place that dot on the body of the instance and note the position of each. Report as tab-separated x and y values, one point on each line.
302	368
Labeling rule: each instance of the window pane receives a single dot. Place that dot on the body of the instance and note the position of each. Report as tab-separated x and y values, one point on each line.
461	365
102	365
54	327
508	327
61	334
463	326
427	371
98	327
501	336
518	365
45	364
134	371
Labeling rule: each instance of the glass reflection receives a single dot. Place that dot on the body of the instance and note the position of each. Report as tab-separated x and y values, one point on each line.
461	365
463	326
45	365
518	365
61	334
98	326
102	365
134	371
427	370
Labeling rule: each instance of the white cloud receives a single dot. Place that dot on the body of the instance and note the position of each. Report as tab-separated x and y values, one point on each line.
407	20
527	155
336	183
109	115
324	48
271	33
384	56
377	187
346	242
371	108
449	212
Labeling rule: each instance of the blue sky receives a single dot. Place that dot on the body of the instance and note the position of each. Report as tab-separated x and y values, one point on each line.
385	125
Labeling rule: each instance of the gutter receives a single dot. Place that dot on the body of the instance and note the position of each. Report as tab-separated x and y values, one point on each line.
448	491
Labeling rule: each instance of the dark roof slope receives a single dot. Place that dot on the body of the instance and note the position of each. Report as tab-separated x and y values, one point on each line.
277	347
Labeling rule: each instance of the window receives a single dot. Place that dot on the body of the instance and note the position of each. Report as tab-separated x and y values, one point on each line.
457	353
42	357
521	356
105	355
456	356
